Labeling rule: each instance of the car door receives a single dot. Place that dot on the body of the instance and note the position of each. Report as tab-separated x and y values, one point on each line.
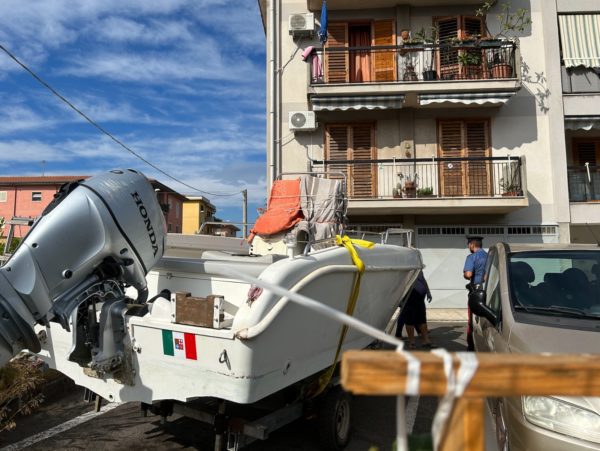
485	334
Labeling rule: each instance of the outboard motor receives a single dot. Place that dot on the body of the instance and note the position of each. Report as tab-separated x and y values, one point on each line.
97	236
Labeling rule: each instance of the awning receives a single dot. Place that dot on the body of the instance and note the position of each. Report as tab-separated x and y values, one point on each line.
580	39
331	103
582	122
466	98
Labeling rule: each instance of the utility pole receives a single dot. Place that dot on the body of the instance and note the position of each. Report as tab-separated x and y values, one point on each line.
43	167
244	213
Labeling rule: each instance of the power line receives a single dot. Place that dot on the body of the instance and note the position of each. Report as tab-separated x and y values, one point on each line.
106	132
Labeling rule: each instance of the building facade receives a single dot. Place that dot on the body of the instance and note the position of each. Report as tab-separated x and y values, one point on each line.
196	211
435	125
27	197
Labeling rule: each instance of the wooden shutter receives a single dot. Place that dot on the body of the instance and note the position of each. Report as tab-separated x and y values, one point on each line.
451	146
352	142
363	176
337	148
477	145
472	27
336	61
384	62
447	57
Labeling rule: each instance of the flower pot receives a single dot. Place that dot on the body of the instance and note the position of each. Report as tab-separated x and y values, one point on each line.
429	75
410	189
410	75
502	71
490	43
471	72
510	194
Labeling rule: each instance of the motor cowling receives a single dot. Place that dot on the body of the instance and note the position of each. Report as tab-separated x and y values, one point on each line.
107	226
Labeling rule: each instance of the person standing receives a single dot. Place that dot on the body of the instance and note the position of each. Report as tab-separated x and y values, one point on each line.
415	315
474	272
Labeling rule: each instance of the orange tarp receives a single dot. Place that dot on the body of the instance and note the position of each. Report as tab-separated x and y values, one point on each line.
283	211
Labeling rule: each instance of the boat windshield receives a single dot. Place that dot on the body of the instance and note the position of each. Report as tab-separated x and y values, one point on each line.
557	283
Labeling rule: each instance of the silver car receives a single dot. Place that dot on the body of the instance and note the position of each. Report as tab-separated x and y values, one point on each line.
541	298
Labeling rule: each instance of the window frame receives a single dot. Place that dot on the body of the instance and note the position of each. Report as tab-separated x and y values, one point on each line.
3	196
34	197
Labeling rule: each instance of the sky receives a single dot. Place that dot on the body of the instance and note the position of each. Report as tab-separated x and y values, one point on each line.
181	82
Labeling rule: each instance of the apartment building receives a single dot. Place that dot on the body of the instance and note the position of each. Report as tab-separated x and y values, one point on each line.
196	211
27	197
436	126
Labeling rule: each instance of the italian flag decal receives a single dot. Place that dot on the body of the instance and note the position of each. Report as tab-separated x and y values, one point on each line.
179	344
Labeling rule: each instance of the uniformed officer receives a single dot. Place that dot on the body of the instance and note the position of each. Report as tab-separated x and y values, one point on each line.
474	272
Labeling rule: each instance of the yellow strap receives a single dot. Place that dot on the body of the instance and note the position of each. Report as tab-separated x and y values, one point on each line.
348	243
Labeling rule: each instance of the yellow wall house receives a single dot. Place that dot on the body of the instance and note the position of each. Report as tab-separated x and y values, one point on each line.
196	211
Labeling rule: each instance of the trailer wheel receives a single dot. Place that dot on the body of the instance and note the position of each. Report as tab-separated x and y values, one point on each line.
334	419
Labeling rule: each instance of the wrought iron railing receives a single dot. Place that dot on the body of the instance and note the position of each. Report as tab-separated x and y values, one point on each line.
584	183
426	178
413	63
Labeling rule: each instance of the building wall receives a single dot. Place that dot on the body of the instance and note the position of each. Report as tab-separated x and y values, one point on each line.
191	217
19	203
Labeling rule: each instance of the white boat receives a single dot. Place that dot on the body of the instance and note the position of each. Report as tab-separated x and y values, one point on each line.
133	349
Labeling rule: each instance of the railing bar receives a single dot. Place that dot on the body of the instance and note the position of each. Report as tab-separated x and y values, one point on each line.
416	160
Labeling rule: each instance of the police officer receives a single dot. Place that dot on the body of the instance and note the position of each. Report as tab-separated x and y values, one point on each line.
474	272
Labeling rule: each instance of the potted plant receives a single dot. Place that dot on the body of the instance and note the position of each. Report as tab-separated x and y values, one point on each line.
410	185
425	192
397	191
471	64
465	40
409	73
509	24
510	187
430	40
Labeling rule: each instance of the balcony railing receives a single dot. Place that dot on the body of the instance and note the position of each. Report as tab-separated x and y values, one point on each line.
584	183
430	178
487	60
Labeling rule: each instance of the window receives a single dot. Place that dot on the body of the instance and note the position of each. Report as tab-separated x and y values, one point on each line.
3	196
170	227
457	27
556	283
492	283
36	196
464	139
177	210
353	142
357	66
202	208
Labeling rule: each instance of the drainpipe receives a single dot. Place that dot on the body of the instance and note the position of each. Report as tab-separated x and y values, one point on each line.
271	134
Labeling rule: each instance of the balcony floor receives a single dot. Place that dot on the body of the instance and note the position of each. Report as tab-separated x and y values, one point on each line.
431	206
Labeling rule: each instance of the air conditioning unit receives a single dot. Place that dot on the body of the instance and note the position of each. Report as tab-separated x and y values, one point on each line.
304	121
301	24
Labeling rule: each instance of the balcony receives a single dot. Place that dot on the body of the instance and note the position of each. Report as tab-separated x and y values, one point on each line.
584	193
315	5
475	72
432	185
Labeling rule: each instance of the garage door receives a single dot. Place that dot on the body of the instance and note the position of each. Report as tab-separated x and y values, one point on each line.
444	249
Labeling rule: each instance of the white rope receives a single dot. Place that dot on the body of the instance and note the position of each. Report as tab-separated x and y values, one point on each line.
413	371
456	385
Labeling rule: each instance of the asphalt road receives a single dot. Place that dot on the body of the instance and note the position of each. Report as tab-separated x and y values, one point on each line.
123	427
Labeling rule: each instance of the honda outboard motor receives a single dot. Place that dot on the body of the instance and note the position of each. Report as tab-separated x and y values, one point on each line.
97	237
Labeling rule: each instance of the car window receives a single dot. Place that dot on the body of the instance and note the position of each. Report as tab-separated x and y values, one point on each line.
558	283
492	285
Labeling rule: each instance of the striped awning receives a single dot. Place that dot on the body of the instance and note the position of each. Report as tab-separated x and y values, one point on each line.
331	103
580	39
582	122
466	98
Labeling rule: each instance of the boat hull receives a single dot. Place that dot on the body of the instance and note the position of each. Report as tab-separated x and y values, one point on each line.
272	342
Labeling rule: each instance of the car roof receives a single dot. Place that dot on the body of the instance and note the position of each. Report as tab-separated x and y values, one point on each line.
551	247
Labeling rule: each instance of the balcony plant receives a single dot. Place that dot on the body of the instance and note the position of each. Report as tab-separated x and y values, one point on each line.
410	185
510	23
425	192
510	187
471	64
430	37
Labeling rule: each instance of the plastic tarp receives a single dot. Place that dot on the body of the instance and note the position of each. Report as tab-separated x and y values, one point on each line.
283	210
323	206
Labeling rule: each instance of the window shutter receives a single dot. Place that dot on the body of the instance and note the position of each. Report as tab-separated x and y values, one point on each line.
450	146
352	142
363	176
472	27
477	145
336	62
447	57
337	146
384	62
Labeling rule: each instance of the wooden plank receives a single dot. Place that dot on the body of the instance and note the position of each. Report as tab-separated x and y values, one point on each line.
384	373
465	428
194	311
384	62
